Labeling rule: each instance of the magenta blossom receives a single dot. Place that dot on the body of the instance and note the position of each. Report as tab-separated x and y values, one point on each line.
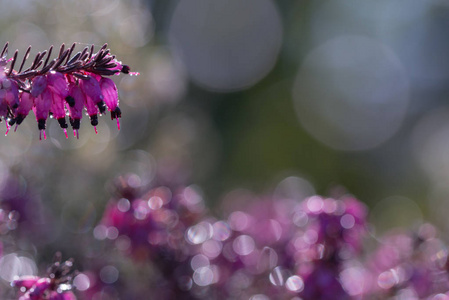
55	286
61	87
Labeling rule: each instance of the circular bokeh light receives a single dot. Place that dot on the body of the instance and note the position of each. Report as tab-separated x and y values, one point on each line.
226	45
351	93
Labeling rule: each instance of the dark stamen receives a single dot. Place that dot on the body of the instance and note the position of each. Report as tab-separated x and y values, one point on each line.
41	124
125	69
75	123
94	120
70	101
62	123
118	112
101	106
20	119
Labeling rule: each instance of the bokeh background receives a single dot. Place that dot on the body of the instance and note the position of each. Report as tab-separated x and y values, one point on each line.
323	96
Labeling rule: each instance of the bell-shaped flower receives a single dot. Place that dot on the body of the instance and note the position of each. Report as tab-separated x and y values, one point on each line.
3	104
110	96
38	85
58	110
12	92
25	105
76	110
91	88
58	84
42	109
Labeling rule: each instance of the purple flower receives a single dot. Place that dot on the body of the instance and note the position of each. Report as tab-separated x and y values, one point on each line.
416	262
323	284
38	85
111	97
153	222
55	286
64	85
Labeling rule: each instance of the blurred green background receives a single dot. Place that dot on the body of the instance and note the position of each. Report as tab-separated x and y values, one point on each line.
242	94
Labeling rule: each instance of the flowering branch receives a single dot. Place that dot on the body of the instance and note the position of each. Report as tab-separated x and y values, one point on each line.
63	86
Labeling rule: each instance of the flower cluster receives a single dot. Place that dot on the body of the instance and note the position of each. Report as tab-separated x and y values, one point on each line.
150	226
330	235
271	248
153	222
55	286
262	248
407	265
63	86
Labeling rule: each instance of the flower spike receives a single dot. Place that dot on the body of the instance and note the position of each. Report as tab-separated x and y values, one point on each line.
65	85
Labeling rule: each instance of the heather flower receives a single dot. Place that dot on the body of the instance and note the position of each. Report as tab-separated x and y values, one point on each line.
245	255
323	283
153	221
330	233
150	225
413	262
336	227
55	286
110	94
63	86
272	249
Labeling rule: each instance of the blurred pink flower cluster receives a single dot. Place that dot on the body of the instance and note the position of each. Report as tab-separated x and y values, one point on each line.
55	286
262	248
268	248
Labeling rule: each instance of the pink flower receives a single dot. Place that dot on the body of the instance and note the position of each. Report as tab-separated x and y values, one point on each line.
59	87
25	105
76	104
56	286
38	85
110	94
